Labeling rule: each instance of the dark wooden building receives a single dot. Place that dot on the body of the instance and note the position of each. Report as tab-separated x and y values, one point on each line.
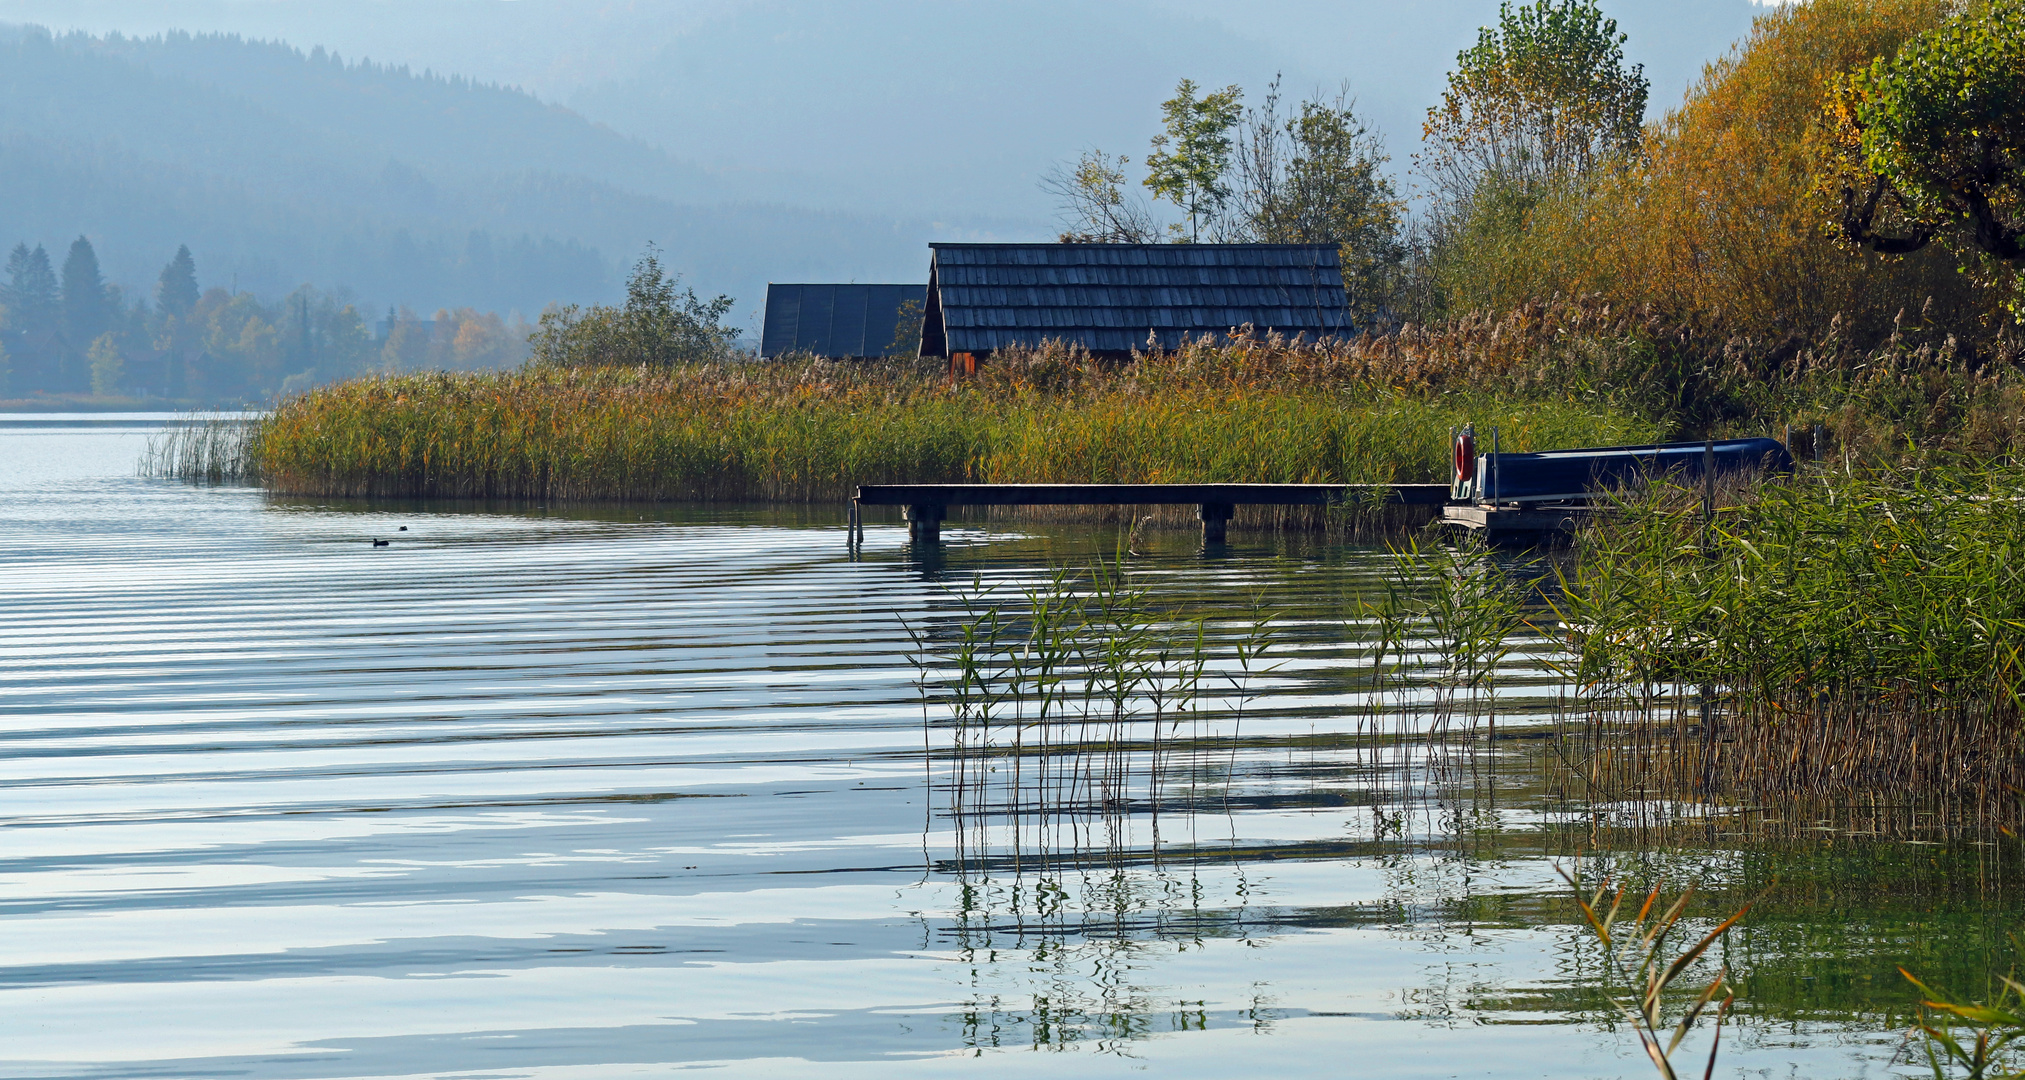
1113	298
845	322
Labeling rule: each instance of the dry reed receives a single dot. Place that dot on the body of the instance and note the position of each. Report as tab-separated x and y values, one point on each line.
810	430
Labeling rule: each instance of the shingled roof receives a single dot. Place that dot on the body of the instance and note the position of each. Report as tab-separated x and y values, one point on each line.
1110	297
840	321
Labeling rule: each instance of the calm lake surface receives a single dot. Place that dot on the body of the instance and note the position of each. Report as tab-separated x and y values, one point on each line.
590	793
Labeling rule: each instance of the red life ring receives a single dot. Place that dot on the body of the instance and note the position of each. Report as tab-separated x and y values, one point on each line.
1465	457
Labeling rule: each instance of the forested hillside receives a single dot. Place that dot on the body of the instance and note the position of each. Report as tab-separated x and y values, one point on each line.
280	167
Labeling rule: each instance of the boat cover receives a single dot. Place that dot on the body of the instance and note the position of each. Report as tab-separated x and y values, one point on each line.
1576	475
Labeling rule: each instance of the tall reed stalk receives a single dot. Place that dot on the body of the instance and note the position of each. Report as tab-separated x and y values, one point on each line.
1640	965
1446	623
205	448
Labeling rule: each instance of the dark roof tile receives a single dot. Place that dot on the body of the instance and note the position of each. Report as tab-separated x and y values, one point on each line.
1107	297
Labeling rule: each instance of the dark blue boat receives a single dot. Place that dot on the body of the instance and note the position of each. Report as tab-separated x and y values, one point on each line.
1574	476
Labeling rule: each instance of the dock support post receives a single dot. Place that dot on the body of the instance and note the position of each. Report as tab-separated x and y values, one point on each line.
924	522
1215	522
1708	490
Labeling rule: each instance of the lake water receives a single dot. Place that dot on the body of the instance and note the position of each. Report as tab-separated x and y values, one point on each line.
585	793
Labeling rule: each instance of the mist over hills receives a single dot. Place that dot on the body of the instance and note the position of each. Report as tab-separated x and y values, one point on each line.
280	167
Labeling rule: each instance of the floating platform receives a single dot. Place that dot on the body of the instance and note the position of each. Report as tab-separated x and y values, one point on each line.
1521	524
926	505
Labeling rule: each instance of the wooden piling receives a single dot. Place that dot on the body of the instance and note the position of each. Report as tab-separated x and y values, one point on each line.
1216	521
924	522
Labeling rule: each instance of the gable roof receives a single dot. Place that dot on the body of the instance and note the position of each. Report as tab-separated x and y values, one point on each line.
1110	297
842	321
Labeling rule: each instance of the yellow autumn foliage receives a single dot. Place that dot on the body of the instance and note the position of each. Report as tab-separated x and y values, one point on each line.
1719	222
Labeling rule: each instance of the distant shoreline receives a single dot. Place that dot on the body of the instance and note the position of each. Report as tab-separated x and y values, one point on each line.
93	403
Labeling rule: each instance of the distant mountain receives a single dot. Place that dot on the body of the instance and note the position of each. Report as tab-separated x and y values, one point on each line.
280	167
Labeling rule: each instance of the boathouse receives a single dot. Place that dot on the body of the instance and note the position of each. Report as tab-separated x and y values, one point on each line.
1113	298
843	322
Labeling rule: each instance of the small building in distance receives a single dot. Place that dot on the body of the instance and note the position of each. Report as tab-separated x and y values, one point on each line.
1111	298
843	322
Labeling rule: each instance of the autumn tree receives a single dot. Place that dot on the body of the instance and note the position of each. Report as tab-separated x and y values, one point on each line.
1542	96
1715	221
108	366
482	341
1193	151
1929	142
907	327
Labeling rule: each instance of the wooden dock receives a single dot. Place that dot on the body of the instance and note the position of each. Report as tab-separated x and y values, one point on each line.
926	505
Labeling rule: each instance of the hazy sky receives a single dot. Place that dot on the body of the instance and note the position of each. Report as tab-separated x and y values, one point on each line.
556	47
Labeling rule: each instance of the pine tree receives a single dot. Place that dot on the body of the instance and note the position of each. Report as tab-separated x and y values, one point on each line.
30	292
176	290
10	293
84	295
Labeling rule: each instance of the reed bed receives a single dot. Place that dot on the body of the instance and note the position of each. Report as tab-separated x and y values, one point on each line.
812	430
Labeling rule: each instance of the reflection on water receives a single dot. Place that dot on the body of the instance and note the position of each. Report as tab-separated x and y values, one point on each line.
544	792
